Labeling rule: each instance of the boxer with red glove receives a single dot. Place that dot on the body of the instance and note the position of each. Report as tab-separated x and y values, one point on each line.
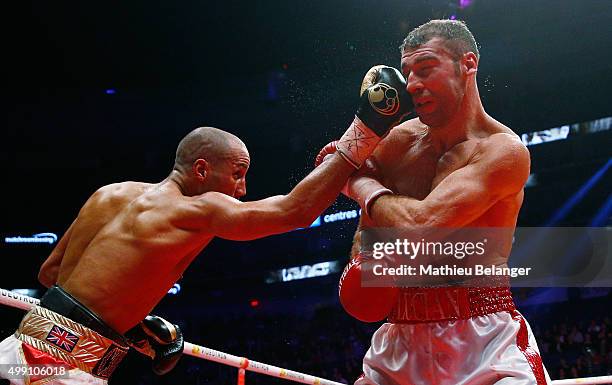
384	102
367	304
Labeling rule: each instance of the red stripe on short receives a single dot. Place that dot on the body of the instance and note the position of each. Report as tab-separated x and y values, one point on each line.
34	356
532	356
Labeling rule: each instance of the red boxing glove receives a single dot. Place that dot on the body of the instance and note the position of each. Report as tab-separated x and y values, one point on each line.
367	304
328	149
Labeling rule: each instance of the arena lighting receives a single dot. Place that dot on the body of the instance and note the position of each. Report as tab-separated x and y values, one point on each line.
578	195
532	180
341	216
175	289
27	292
334	217
49	238
524	249
550	135
464	4
316	223
295	273
562	132
305	271
603	214
110	91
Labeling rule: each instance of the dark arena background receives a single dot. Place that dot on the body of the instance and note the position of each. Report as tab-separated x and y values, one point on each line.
101	92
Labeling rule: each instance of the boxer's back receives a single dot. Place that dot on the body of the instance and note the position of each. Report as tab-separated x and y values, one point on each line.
125	250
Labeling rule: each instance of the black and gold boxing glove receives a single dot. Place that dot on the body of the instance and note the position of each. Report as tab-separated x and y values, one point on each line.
384	99
384	102
158	339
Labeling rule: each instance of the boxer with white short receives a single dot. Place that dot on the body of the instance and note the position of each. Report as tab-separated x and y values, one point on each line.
452	167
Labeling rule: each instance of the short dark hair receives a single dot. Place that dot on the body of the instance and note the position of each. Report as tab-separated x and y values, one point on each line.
458	37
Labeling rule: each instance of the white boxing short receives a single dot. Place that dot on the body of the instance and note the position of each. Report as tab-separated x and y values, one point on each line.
23	365
51	348
454	336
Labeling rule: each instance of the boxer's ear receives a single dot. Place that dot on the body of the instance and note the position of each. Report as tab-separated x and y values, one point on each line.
469	61
201	169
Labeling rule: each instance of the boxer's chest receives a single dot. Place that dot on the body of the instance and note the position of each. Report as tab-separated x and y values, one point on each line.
408	170
415	169
454	159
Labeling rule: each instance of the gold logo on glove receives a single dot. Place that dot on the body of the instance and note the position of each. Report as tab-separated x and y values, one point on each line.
384	99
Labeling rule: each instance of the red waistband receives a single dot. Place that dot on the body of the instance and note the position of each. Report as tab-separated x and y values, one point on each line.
418	305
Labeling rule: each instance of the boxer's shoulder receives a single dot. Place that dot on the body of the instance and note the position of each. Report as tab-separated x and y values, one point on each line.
123	191
211	202
494	146
411	129
401	136
114	197
494	139
503	144
498	133
123	188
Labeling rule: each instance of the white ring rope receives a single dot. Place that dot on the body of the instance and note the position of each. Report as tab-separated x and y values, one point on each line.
585	380
24	302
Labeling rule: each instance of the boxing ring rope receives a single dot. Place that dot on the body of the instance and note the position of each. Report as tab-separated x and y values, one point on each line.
24	302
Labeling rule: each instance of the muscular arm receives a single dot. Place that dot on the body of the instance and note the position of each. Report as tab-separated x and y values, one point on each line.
223	216
500	168
49	270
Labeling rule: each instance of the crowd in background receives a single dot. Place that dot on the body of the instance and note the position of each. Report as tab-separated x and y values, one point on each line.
576	349
574	338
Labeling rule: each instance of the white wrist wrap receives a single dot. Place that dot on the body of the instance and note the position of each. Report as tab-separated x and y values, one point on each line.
357	143
372	197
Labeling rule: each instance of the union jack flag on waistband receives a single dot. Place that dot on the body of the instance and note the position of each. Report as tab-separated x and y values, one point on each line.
62	338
